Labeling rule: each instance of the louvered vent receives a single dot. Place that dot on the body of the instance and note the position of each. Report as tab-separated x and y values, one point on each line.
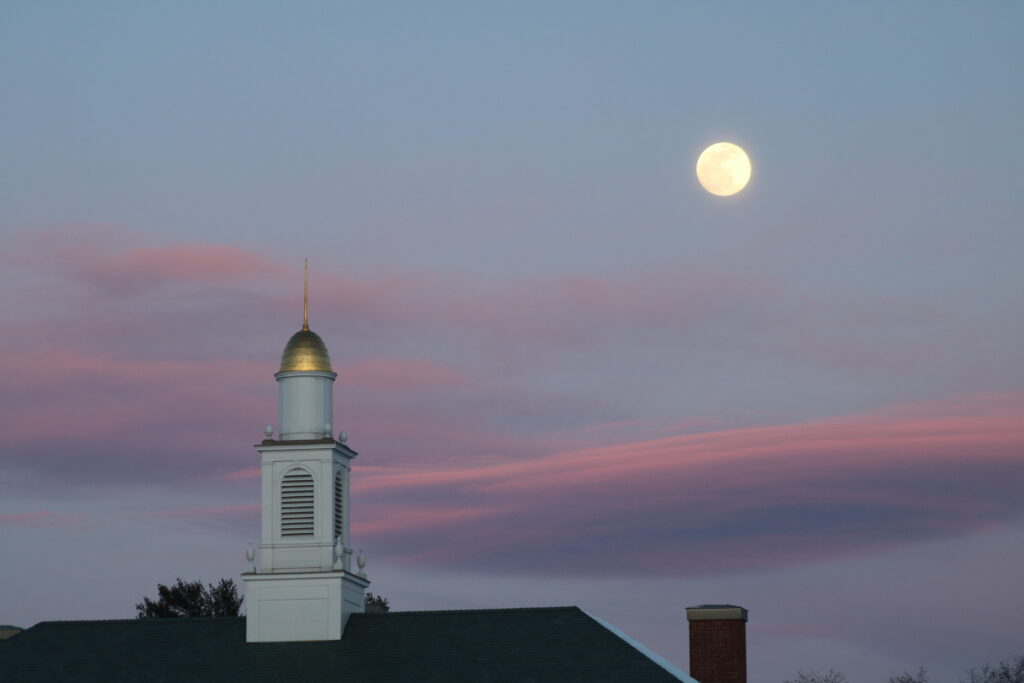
297	503
339	509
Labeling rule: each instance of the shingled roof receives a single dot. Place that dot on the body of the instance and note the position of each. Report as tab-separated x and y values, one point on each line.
530	645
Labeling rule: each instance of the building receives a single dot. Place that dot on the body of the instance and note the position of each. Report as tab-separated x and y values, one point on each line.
304	601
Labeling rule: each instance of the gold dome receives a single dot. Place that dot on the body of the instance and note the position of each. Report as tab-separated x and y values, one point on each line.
305	352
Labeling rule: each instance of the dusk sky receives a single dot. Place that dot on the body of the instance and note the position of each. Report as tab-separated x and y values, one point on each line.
573	376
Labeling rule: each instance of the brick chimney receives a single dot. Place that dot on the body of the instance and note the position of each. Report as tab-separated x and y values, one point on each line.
718	643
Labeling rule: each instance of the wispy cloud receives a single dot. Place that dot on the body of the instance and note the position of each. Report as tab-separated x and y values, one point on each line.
496	430
40	518
719	501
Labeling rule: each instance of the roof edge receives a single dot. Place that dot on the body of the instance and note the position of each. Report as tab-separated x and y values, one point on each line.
84	622
463	611
645	651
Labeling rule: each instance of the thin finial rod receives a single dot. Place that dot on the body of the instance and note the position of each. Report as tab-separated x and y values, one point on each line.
305	297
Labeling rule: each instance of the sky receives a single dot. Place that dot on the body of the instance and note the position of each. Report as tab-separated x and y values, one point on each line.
572	375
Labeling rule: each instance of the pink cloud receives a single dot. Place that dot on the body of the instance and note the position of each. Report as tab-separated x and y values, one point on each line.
194	413
48	370
726	500
244	474
142	362
207	511
25	517
94	275
40	518
91	395
433	520
113	257
234	519
192	263
399	374
82	417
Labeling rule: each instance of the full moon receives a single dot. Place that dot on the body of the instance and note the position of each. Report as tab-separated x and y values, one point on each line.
723	169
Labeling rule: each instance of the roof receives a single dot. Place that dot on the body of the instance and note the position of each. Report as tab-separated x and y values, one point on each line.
527	645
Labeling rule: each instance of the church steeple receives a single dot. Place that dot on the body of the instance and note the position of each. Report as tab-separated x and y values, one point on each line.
304	588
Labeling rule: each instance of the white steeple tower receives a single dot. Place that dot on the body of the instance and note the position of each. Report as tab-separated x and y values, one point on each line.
304	588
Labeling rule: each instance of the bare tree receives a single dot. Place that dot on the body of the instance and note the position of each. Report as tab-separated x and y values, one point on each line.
812	676
1010	671
906	677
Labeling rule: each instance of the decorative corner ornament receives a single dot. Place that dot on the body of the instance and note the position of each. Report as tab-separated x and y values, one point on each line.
339	554
361	562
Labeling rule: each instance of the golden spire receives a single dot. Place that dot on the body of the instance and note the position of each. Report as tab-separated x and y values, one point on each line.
305	351
305	297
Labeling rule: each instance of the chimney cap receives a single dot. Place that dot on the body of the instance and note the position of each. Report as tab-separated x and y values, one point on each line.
715	612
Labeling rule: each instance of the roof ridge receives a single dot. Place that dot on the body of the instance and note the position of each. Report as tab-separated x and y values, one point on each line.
481	609
127	620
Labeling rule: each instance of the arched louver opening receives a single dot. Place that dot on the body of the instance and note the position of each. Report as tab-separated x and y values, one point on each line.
339	509
297	503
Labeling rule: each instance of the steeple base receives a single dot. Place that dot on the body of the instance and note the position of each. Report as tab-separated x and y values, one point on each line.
301	605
